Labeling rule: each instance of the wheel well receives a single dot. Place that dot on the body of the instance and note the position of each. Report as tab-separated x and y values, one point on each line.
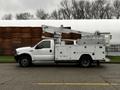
27	55
85	55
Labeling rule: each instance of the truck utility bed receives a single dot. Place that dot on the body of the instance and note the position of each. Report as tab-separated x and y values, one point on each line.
74	52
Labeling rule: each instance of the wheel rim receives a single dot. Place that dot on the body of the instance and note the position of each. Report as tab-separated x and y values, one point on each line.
85	63
24	62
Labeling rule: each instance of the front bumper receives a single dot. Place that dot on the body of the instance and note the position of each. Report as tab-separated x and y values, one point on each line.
16	57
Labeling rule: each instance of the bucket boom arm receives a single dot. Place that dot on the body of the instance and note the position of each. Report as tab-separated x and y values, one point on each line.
57	31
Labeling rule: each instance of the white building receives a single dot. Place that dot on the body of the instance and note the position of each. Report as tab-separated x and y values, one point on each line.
113	50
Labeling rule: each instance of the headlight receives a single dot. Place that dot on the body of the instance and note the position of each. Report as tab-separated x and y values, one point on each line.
16	52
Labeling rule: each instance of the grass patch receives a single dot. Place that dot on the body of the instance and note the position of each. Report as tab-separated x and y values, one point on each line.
7	59
114	58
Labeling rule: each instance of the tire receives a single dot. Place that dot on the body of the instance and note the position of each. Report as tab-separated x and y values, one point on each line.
24	61
85	61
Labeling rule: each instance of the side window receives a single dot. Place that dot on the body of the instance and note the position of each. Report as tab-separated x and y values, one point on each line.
44	44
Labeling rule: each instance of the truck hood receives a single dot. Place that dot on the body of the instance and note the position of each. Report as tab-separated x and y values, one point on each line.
24	48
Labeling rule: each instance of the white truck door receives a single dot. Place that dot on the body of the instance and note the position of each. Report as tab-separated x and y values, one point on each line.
44	51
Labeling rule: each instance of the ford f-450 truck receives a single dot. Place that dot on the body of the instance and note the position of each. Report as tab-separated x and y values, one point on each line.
85	51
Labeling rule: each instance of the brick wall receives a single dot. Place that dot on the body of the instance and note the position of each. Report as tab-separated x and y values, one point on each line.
14	37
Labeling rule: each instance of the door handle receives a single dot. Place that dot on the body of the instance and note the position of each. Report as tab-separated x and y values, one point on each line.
50	50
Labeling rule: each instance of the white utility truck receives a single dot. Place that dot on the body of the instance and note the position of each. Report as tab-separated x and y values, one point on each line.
89	49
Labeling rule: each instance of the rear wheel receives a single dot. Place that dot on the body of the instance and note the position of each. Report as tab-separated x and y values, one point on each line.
24	61
85	61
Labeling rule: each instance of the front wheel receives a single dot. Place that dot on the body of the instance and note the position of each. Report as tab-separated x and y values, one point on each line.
24	61
85	61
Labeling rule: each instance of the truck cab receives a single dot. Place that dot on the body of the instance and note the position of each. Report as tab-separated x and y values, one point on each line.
42	51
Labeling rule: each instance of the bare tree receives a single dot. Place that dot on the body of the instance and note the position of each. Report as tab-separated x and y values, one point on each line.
98	9
57	14
24	16
54	15
75	9
88	10
116	5
65	9
85	9
108	11
41	14
78	9
7	17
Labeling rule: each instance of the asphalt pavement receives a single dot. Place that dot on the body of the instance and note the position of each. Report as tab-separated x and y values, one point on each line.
59	77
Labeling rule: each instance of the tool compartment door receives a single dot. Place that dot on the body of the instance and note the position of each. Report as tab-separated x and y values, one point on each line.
100	52
62	52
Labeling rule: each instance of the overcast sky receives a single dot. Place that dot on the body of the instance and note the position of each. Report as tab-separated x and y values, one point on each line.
112	26
17	6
